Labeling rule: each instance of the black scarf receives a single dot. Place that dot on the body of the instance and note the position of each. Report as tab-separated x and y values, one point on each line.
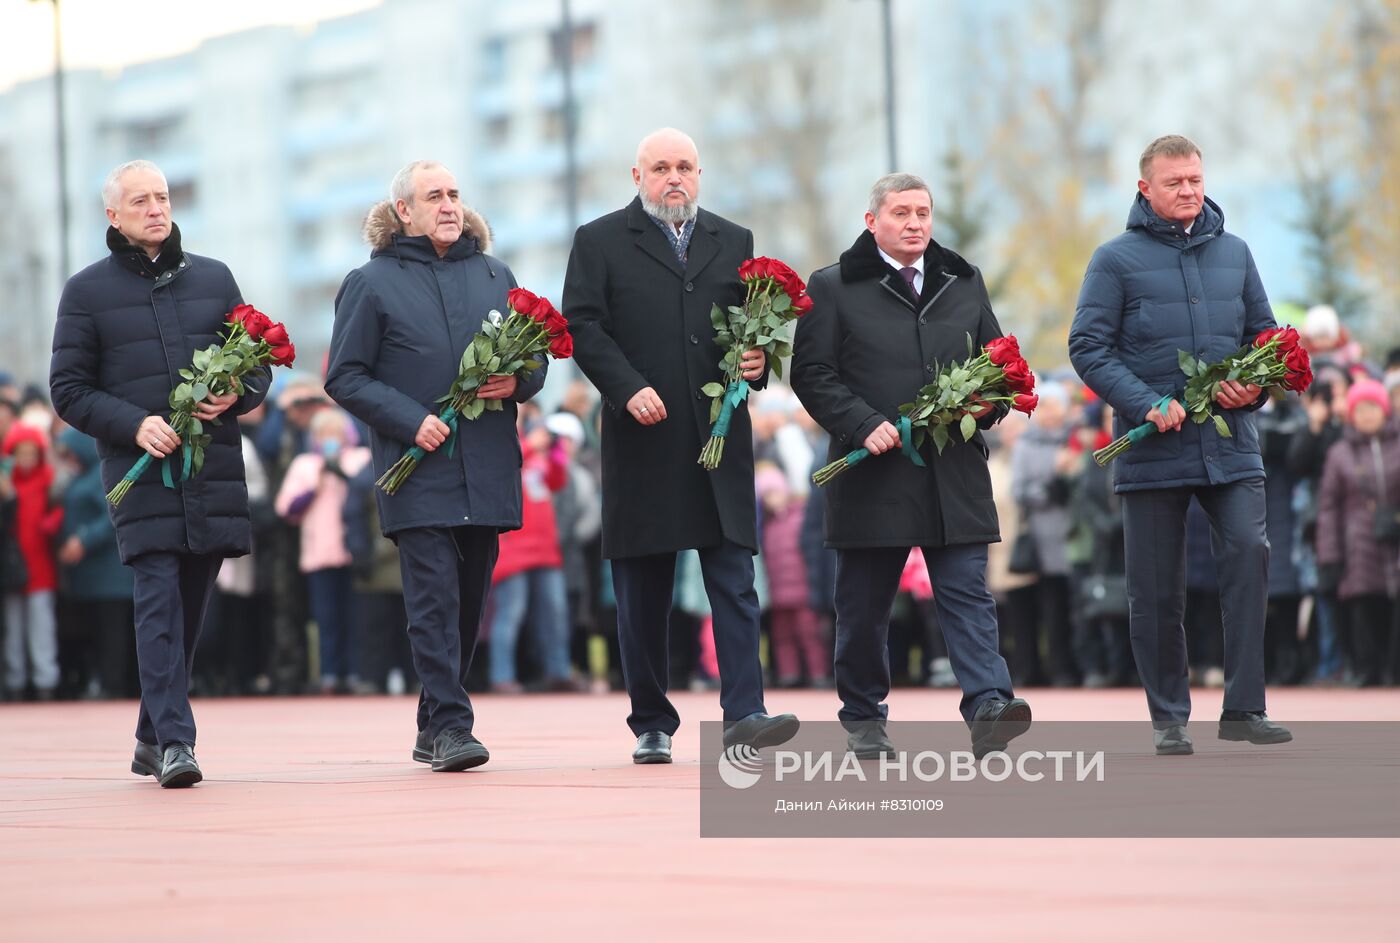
133	257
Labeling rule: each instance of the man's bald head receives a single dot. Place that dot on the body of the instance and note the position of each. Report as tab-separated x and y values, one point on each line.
666	140
667	175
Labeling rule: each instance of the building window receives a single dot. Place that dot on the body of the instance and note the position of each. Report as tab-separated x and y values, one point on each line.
585	43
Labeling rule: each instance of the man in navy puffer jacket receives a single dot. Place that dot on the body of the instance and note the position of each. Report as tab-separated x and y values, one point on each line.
1176	280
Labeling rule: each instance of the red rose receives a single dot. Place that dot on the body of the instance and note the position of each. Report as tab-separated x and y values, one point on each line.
254	322
1003	350
276	335
521	301
1025	402
780	272
748	270
1266	336
541	310
561	346
802	305
1296	360
1288	340
556	324
1298	382
1018	376
283	355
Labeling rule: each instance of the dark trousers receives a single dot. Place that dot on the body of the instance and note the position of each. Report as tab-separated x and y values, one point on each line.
1154	531
866	582
330	593
170	597
643	586
446	576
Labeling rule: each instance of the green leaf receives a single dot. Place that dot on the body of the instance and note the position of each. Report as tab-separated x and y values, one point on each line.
717	318
940	437
715	406
775	364
1187	363
187	374
196	460
781	302
494	405
199	392
196	427
968	427
1221	426
970	346
713	389
763	340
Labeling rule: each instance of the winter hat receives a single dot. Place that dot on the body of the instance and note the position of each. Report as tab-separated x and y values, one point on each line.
1322	324
1367	391
770	478
20	432
567	426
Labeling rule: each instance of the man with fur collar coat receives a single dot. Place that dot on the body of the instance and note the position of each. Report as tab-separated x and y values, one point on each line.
895	307
402	321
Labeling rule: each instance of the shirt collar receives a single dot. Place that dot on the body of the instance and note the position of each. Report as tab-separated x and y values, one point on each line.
917	265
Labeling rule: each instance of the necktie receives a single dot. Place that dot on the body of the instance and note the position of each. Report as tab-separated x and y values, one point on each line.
908	273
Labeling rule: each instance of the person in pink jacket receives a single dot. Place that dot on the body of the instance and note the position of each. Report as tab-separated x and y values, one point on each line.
313	494
793	626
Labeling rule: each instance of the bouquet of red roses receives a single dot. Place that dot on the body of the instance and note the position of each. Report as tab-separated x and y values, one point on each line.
774	296
999	374
1275	360
253	339
503	347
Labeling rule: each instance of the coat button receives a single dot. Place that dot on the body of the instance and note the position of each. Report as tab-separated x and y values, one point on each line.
928	368
694	339
699	395
923	320
689	286
1194	301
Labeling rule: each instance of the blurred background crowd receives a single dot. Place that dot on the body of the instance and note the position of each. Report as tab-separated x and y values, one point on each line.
318	608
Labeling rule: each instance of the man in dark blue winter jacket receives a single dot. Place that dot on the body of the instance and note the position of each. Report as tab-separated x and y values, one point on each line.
126	326
1176	280
402	322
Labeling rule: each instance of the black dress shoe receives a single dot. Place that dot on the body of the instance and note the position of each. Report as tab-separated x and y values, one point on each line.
178	768
869	741
1173	741
455	749
996	723
423	748
146	760
653	747
759	730
1253	726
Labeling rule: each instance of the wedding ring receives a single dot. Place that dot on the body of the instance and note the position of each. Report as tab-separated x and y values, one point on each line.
645	409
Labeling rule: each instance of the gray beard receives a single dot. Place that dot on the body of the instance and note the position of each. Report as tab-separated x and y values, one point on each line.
675	215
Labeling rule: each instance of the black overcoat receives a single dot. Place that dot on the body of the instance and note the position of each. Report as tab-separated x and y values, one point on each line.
639	318
866	348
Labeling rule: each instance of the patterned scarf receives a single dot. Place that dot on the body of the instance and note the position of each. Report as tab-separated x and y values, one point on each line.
680	244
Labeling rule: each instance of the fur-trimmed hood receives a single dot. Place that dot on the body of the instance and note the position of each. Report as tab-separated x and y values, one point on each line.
862	261
382	225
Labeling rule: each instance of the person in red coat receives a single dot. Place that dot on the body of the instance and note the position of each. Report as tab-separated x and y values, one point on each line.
529	577
31	635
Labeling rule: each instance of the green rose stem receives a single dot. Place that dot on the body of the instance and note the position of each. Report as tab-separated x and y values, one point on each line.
736	389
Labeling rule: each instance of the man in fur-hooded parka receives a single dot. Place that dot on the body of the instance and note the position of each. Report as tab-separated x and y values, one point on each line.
402	321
